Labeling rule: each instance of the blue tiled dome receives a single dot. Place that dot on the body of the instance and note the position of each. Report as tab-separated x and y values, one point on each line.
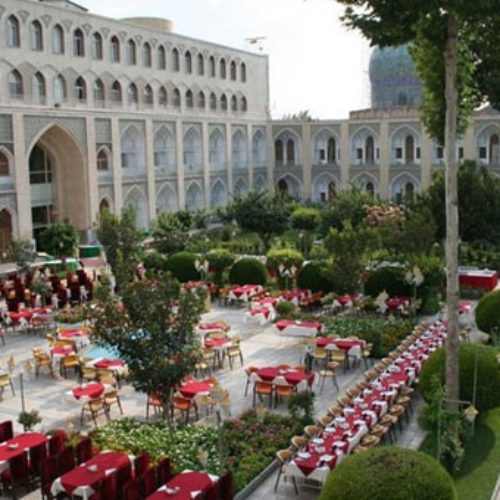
393	78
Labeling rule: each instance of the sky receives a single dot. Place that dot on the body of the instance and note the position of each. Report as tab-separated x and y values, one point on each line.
315	63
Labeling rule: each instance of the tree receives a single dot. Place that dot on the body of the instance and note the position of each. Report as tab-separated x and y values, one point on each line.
22	253
153	332
306	220
61	240
220	260
170	232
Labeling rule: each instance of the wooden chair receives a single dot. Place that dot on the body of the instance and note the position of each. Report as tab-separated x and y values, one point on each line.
261	389
249	370
330	372
184	406
282	391
335	411
155	403
338	356
320	355
298	442
72	361
284	457
112	398
42	360
6	381
344	401
312	430
88	374
94	408
325	420
233	353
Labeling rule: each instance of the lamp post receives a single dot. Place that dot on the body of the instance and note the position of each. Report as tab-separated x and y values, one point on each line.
287	273
201	267
415	278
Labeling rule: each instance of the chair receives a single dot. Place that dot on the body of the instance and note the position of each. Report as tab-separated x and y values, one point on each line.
38	455
108	489
234	352
260	389
42	360
141	464
183	405
329	372
370	441
6	380
362	384
94	408
338	356
249	370
282	391
88	374
124	475
147	482
370	375
201	369
353	392
155	403
325	420
48	472
209	357
6	430
71	361
284	457
83	450
311	430
344	401
226	489
320	356
56	443
66	460
130	490
298	442
17	473
164	472
335	411
112	398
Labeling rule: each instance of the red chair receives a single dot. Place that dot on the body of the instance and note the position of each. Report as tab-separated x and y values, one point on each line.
17	474
56	443
83	450
107	489
226	486
66	461
141	464
164	472
130	490
147	482
6	431
211	493
48	472
124	475
38	455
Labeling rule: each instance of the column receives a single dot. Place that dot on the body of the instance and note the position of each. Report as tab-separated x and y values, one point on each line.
250	159
345	155
229	156
206	162
306	160
425	160
92	184
384	160
150	168
469	143
270	157
179	152
117	165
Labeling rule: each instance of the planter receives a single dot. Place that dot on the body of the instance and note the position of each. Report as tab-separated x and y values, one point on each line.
256	481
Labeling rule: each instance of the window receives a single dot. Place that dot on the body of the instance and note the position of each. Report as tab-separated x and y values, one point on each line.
461	153
115	49
132	148
234	103
58	40
162	97
97	46
331	150
175	60
278	151
131	53
409	149
59	89
116	92
359	154
4	165
40	167
102	160
223	102
164	149
16	90
369	151
38	88
188	62
417	153
290	152
201	100
148	95
189	99
399	153
440	152
36	36
80	89
98	93
370	188
132	95
483	153
201	65
222	68
78	43
244	104
13	32
211	66
146	55
243	72
213	101
176	100
162	58
233	71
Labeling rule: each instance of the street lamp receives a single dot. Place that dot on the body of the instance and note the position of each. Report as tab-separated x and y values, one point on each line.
415	278
287	273
201	267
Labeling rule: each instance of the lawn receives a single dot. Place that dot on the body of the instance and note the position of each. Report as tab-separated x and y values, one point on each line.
481	468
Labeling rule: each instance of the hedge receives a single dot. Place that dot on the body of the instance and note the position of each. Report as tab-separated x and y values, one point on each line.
488	312
181	265
488	374
388	278
248	271
313	276
155	261
390	473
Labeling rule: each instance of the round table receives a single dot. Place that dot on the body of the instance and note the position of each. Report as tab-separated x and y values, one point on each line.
91	391
109	363
216	343
191	389
293	377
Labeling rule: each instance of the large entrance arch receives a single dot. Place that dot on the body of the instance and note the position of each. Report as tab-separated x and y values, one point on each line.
57	181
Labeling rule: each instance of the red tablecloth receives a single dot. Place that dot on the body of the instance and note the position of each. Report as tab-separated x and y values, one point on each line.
190	389
260	310
216	342
188	483
24	442
343	300
63	350
295	294
340	343
310	464
268	301
212	326
70	334
488	281
27	313
109	363
285	323
398	302
92	391
240	290
293	377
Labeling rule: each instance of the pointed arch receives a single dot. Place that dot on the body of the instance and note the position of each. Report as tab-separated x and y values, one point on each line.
115	55
290	185
131	53
243	72
325	187
166	199
364	146
218	194
232	70
239	149
400	186
164	149
16	85
290	143
201	102
223	102
147	56
104	158
36	35
194	196
365	181
192	150
38	88
189	98
222	68
162	57
133	148
176	64
6	231
188	62
405	145
58	44
211	67
116	92
259	148
99	96
148	96
13	32
105	205
325	147
260	184
136	198
6	162
240	188
244	104
132	95
80	90
176	98
217	150
213	101
201	64
97	48
234	103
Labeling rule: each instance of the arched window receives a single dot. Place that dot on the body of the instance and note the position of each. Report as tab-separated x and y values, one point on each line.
175	60
176	98
78	43
131	53
146	55
99	93
132	95
164	149
97	51
104	206
162	97
331	150
290	152
409	149
189	99
36	36
259	149
222	68
239	149
102	161
58	39
234	103
211	66
132	148
188	62
332	190
192	149
243	72
116	92
38	88
13	32
16	90
201	65
494	149
59	89
223	102
201	100
213	101
244	104
115	49
233	70
369	151
4	165
162	57
80	89
278	152
148	95
216	150
283	187
370	188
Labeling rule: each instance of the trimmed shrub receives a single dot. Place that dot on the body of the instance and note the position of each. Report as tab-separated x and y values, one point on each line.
389	472
306	218
284	256
181	265
220	259
285	309
488	375
313	276
388	278
488	312
155	261
248	272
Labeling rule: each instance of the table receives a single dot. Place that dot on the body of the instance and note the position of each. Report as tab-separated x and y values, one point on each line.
291	376
24	443
295	296
194	387
117	366
478	278
79	336
244	293
206	328
57	353
398	303
84	393
82	482
190	484
262	314
27	313
217	344
343	301
299	328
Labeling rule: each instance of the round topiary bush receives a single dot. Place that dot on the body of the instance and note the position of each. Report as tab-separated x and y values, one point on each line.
488	312
313	276
488	374
155	261
181	265
388	472
388	278
248	272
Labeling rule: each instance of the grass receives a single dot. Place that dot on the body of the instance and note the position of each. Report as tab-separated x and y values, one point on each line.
481	467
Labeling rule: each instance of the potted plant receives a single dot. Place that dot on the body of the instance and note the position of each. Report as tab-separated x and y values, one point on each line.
28	419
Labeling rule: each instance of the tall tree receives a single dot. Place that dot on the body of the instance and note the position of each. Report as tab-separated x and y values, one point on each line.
60	240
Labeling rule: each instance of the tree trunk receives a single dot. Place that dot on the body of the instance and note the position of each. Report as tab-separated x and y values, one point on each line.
452	288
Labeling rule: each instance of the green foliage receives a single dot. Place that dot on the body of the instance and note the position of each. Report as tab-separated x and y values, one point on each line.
488	374
60	239
285	309
388	278
306	218
314	276
70	315
488	312
28	419
155	262
481	254
248	271
287	257
220	260
388	472
181	265
22	253
170	231
301	407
